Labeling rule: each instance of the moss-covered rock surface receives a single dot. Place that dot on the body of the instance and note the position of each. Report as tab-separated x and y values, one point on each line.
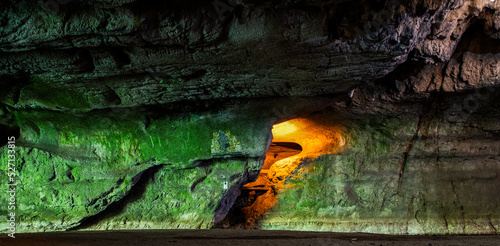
70	168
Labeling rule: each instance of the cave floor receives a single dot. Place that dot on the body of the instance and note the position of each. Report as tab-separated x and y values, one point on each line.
238	237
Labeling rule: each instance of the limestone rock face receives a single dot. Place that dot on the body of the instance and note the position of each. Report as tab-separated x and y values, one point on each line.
136	114
141	53
426	167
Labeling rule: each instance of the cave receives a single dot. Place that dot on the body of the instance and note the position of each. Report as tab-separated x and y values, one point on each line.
257	197
294	142
340	120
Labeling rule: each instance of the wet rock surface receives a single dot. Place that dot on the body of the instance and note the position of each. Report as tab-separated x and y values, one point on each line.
143	115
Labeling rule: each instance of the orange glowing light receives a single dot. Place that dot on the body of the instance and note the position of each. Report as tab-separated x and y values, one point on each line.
293	141
283	129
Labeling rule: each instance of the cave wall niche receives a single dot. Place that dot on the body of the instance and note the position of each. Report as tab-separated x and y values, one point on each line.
294	142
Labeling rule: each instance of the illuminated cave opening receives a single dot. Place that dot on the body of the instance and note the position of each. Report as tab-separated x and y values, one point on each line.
294	142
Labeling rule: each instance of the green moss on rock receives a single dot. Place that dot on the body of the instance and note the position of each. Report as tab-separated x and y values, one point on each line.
82	163
42	94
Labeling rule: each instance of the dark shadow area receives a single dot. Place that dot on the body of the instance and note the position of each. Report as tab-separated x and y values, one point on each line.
120	56
6	132
85	61
11	87
476	41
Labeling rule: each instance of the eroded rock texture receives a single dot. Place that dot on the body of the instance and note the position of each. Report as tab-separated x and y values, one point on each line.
138	114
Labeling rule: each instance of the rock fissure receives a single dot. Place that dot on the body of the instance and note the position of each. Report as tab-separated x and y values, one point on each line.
139	183
403	162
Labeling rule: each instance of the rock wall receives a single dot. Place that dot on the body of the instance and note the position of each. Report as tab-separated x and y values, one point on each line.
134	114
422	153
71	168
417	172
